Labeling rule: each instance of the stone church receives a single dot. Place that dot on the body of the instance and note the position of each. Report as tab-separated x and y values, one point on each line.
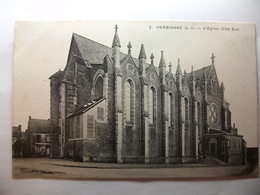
107	106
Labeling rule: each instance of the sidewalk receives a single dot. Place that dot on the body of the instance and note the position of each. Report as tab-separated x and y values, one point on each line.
60	168
70	163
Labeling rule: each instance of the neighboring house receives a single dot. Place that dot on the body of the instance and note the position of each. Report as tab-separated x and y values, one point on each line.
19	144
111	107
16	133
227	145
17	141
38	136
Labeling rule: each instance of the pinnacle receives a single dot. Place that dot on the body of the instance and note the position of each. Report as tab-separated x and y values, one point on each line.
142	53
116	41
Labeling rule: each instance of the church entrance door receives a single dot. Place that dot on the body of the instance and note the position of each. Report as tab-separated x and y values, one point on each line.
213	148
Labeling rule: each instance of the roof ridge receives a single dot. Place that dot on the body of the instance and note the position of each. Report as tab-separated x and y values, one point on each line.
201	69
92	41
86	107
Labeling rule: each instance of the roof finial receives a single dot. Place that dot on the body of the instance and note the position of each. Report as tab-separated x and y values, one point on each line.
212	58
142	52
222	86
129	46
192	74
170	67
162	61
116	41
178	71
152	57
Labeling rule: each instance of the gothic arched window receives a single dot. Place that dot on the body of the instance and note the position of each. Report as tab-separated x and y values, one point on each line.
199	117
152	105
129	101
226	119
98	87
214	87
213	145
187	140
171	109
186	110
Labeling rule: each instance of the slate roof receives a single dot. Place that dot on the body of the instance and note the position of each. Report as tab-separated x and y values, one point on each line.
221	132
16	132
39	126
94	53
56	74
86	107
198	74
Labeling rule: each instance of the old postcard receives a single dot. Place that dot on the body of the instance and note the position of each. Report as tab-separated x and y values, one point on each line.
135	100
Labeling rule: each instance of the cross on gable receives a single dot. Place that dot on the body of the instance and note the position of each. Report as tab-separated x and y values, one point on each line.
152	57
212	58
170	66
129	46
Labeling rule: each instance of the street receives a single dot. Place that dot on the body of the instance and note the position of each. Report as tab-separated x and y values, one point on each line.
60	168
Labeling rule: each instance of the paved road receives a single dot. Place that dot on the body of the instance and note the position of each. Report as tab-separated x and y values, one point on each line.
58	168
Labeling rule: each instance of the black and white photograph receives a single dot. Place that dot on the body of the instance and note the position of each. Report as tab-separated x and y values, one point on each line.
134	100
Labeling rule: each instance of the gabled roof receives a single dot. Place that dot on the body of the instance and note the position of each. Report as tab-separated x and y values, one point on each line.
92	51
56	74
169	76
16	132
220	132
198	74
95	52
39	125
86	107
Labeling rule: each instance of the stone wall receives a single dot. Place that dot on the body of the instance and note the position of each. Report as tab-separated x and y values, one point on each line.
54	117
101	148
131	138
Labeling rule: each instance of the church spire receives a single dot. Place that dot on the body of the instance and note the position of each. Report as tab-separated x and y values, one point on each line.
116	41
116	49
142	61
178	75
192	82
162	61
178	71
142	53
162	71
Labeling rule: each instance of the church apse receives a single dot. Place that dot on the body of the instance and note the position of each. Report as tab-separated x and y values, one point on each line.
113	107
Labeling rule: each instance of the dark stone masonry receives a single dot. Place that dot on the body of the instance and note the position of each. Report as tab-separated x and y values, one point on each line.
107	106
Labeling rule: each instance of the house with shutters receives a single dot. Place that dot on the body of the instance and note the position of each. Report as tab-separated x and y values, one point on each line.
38	137
108	106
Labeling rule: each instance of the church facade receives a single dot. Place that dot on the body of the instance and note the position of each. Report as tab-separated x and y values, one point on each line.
107	106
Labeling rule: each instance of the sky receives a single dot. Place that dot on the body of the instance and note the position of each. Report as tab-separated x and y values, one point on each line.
41	49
